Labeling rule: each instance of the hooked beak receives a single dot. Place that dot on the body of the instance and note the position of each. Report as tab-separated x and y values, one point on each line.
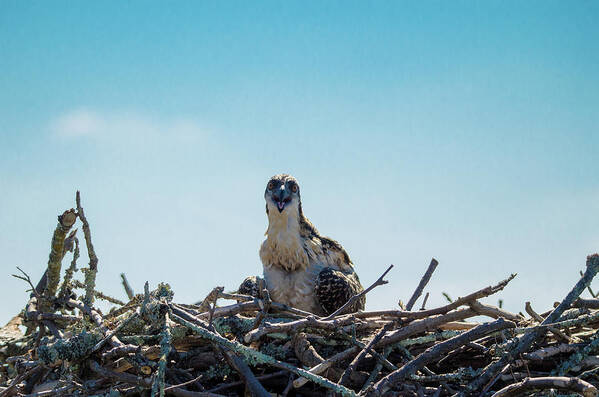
281	198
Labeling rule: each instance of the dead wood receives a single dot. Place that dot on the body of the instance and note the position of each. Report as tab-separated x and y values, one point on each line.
423	282
353	299
149	345
563	383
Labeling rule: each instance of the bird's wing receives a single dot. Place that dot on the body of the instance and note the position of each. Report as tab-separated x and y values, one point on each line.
327	252
322	249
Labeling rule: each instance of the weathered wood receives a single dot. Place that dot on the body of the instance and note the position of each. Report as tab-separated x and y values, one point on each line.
562	383
263	348
423	282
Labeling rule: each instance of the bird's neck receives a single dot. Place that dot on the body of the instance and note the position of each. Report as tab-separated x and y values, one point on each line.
283	246
284	223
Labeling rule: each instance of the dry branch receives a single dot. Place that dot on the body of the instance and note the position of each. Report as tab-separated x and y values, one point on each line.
528	339
353	299
152	346
90	274
573	385
65	222
423	282
437	352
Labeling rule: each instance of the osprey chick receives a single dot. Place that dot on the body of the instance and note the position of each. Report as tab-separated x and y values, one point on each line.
302	268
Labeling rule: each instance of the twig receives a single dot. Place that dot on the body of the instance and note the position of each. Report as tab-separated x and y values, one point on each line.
114	332
326	364
484	292
446	296
158	386
145	383
435	352
494	312
90	274
212	306
577	357
266	307
582	320
304	350
53	328
368	348
68	276
249	303
128	289
262	358
240	366
60	391
354	298
289	386
586	303
426	324
65	222
377	369
528	339
55	316
574	385
146	301
423	307
239	383
99	294
97	319
423	282
244	371
537	317
189	382
16	381
297	325
589	287
207	302
25	277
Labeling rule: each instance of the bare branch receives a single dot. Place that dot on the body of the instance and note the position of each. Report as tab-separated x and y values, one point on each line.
563	383
423	282
354	298
128	289
90	274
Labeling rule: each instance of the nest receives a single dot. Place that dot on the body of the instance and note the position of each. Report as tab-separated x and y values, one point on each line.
230	344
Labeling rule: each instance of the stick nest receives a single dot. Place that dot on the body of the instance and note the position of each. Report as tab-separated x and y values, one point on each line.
230	344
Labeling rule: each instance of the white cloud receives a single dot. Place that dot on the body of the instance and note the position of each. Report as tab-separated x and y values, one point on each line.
78	122
123	127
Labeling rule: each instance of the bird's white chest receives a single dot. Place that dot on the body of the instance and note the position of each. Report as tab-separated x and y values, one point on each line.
284	247
288	273
295	288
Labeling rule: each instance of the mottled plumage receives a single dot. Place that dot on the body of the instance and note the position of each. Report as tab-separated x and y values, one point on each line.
302	268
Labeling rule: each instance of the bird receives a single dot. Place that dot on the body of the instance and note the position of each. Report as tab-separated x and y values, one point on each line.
301	267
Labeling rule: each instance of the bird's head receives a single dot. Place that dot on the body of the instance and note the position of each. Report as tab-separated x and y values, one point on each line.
282	194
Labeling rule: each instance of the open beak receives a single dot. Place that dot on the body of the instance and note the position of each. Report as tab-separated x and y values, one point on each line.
281	198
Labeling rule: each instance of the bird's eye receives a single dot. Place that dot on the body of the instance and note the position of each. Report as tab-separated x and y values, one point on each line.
270	185
294	188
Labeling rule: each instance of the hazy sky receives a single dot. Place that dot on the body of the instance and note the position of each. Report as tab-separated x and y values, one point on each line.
467	131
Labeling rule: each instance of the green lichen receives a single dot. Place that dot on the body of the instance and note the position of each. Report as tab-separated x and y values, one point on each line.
279	335
165	291
77	347
217	372
274	350
139	339
233	325
134	327
178	332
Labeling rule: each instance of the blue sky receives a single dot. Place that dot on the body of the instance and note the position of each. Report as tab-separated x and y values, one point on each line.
467	131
